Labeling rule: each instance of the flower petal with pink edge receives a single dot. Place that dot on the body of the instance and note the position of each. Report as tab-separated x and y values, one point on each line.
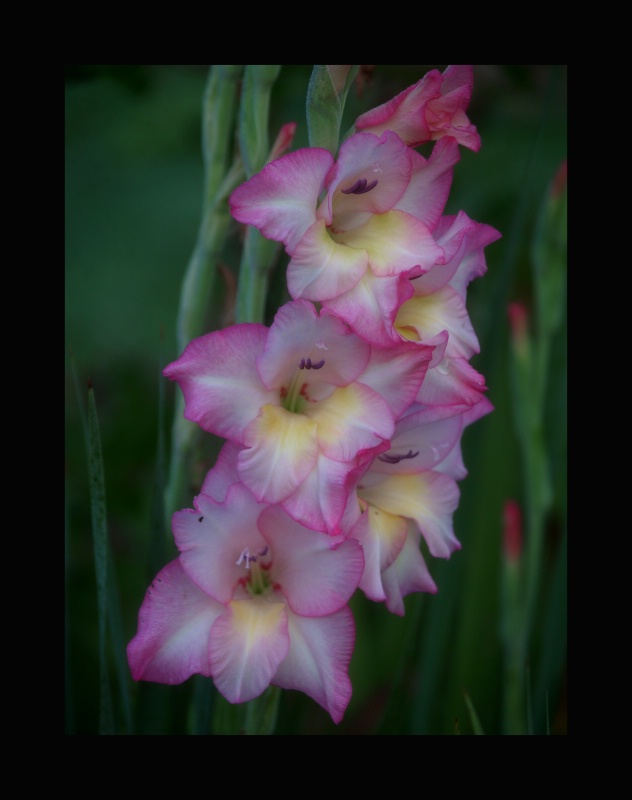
474	264
443	310
382	163
212	537
419	444
321	268
281	200
397	373
382	539
428	498
428	110
280	451
223	474
407	574
396	242
316	573
218	378
174	623
445	115
318	660
351	419
430	182
247	644
452	382
403	114
453	238
319	502
371	306
299	332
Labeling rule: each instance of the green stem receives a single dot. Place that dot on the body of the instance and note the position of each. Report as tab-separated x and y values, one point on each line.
221	176
261	713
257	261
259	253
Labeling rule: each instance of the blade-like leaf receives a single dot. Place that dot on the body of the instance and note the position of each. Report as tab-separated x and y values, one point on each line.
326	97
99	535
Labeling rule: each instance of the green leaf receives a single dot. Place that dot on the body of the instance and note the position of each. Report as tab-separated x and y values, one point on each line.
326	97
254	113
99	535
476	723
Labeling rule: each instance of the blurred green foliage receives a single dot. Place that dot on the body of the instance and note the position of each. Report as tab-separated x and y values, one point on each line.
133	199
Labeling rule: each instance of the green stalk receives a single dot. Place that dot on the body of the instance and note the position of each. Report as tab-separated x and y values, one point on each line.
259	253
262	712
530	372
220	178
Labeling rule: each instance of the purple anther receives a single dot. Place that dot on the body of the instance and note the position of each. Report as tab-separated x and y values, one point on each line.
396	459
360	187
306	363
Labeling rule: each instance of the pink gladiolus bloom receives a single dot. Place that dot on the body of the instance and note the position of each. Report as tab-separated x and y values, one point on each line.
254	599
436	313
428	110
305	395
408	492
354	228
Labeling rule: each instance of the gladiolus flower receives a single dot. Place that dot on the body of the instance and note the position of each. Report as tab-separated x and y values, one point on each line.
430	109
356	227
409	492
254	599
305	395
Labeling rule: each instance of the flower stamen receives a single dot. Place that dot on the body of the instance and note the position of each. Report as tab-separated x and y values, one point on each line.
360	187
306	363
392	459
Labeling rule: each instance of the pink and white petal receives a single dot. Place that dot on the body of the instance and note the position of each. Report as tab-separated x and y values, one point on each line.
420	447
396	242
174	623
403	114
371	306
454	382
381	541
247	644
280	451
443	310
320	501
407	574
446	115
381	162
430	182
476	411
322	268
396	373
428	498
212	538
219	380
300	332
351	419
316	573
473	263
223	474
318	660
281	200
453	237
453	464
